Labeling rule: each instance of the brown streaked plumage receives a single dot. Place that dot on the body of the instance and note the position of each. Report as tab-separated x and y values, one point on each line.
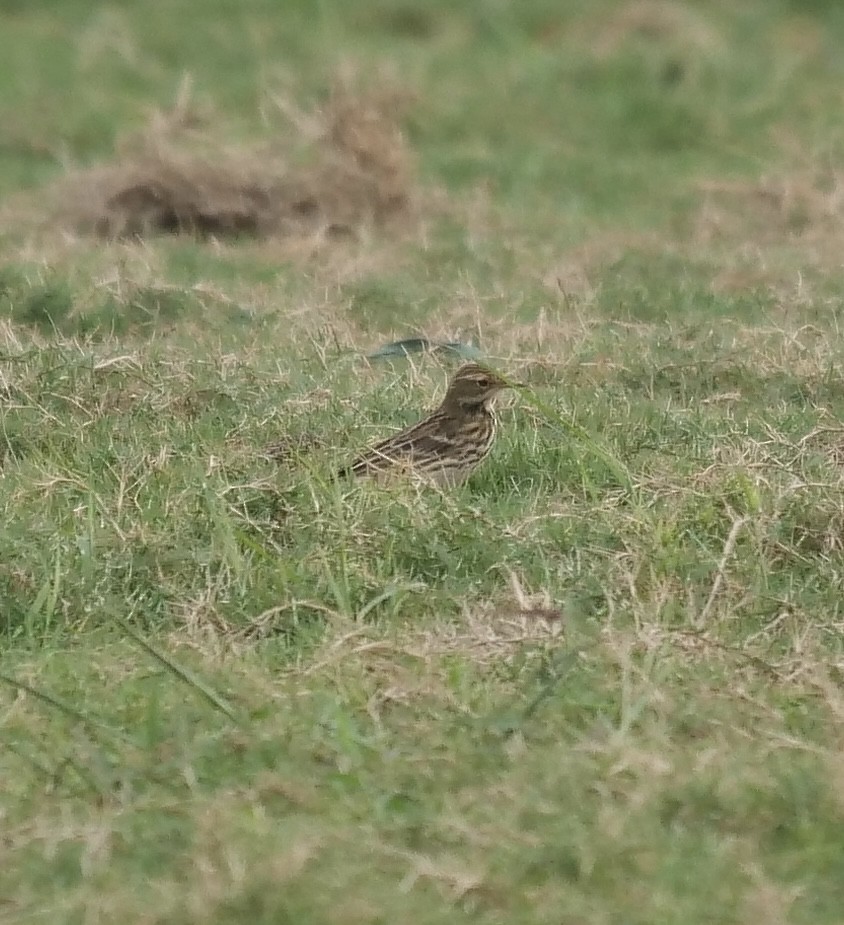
449	444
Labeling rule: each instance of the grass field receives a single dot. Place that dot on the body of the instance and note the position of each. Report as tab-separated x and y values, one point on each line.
603	682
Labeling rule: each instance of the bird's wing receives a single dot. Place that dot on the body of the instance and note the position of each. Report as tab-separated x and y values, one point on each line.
427	440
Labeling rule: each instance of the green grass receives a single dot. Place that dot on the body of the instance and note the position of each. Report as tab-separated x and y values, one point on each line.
233	690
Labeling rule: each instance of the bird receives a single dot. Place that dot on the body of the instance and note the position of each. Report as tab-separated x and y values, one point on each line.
445	447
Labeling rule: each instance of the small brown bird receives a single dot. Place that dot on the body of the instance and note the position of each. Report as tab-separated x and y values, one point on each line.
449	444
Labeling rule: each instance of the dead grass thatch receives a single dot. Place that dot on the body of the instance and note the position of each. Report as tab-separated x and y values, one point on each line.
334	171
804	205
663	22
767	232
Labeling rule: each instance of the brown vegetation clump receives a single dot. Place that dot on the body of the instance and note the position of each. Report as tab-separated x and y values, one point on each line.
665	22
806	204
778	231
345	167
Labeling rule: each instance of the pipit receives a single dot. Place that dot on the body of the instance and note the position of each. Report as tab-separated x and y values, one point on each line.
449	444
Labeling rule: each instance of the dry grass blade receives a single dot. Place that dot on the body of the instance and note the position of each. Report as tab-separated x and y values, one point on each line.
729	547
292	446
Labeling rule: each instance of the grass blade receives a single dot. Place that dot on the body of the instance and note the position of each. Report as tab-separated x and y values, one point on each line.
182	673
62	706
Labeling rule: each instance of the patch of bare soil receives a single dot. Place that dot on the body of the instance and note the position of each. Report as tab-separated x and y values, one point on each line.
336	170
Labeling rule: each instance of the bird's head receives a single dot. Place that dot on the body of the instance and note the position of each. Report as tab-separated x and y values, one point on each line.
472	388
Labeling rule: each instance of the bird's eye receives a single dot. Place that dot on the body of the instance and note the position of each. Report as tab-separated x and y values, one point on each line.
483	382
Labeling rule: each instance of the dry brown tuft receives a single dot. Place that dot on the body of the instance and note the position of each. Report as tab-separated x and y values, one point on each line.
342	168
663	22
768	231
805	205
575	278
762	233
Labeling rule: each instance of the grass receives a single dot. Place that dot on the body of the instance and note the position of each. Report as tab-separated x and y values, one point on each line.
600	683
